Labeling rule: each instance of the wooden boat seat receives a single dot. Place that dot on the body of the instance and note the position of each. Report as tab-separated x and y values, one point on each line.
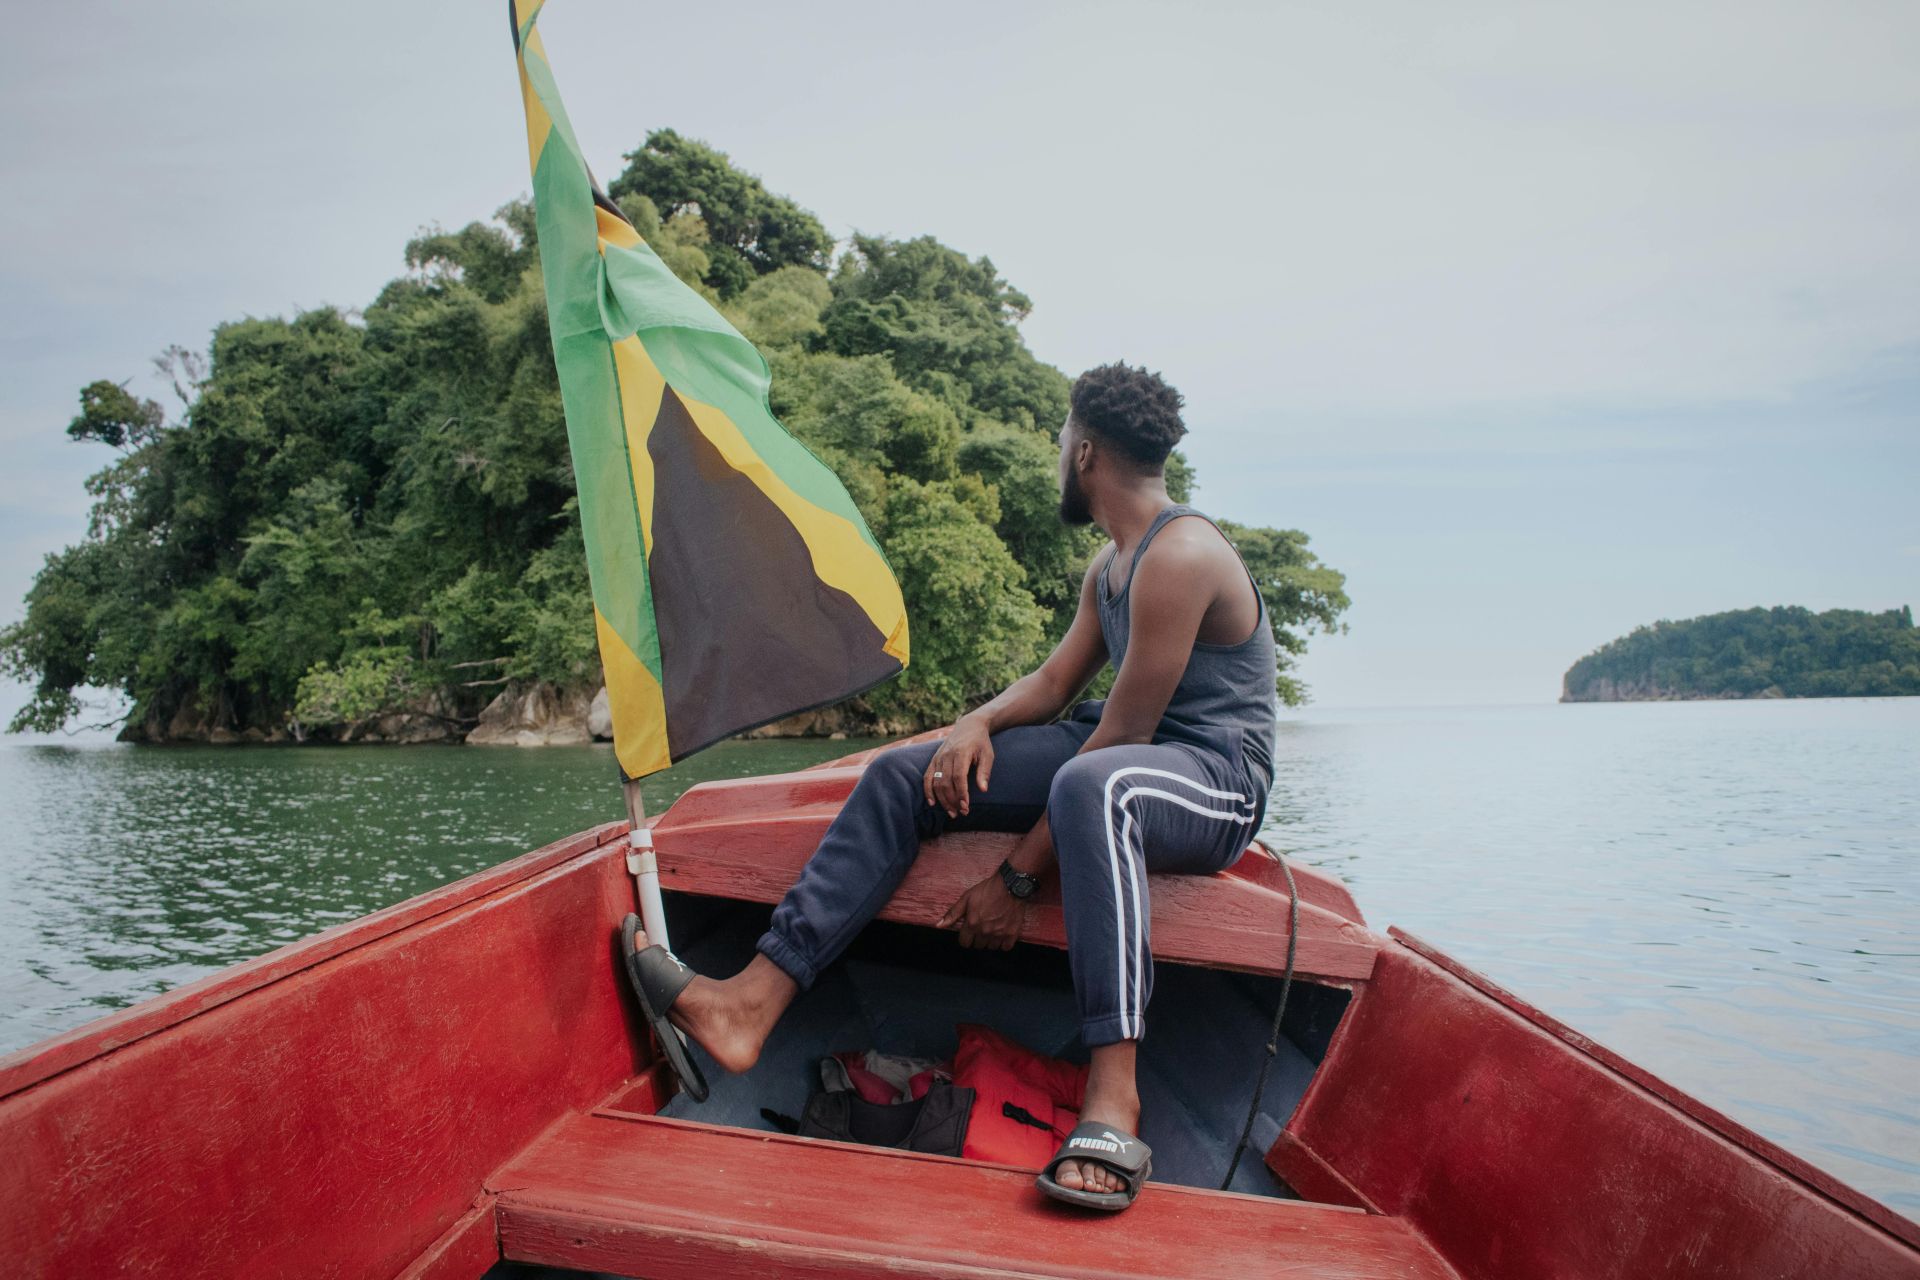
748	839
672	1200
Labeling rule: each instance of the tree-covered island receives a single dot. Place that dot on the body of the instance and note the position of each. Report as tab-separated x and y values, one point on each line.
1755	653
361	525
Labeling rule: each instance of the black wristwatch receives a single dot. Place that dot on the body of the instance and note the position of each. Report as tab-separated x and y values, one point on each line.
1019	883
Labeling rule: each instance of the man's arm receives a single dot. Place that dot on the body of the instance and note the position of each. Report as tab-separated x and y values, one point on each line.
1172	590
1169	598
1034	698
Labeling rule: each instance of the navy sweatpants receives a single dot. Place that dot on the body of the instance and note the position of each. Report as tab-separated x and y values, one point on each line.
1116	814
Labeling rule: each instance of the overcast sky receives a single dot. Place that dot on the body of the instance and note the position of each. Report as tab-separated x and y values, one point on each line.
1542	323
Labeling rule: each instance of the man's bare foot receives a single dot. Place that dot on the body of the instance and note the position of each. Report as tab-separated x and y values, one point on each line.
1112	1098
731	1018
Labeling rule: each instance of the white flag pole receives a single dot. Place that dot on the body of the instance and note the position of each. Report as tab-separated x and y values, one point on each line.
644	867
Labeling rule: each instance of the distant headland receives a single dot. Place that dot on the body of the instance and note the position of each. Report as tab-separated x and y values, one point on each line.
1784	652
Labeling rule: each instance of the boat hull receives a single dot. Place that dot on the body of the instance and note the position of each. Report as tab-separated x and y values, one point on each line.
376	1100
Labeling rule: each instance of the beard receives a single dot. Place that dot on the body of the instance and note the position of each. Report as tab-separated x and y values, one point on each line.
1074	507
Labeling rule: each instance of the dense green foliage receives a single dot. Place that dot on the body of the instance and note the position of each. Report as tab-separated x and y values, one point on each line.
1747	653
750	231
358	513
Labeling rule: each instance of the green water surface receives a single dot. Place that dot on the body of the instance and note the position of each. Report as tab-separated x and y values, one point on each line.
126	871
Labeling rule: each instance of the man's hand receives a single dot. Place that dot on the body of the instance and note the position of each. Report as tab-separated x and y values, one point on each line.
967	748
987	916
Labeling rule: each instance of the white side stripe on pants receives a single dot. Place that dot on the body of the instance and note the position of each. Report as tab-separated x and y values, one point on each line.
1131	1017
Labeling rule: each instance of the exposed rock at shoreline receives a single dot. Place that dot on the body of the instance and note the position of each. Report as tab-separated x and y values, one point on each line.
1605	689
433	720
825	722
822	722
535	715
521	715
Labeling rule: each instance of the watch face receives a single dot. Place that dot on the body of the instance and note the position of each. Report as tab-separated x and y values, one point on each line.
1019	884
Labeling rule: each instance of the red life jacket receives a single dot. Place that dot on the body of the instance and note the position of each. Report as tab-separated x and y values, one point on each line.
1010	1080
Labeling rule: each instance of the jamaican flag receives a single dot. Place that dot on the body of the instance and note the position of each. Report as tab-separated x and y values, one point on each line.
734	581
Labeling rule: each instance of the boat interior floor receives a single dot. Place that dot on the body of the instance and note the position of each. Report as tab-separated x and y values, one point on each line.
715	1188
903	990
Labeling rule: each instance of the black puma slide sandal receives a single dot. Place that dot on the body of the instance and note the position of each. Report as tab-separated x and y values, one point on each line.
1112	1146
658	978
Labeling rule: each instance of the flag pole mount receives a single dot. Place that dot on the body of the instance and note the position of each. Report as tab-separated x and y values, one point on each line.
644	866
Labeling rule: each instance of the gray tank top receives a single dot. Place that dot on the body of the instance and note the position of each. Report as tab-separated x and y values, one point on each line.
1225	699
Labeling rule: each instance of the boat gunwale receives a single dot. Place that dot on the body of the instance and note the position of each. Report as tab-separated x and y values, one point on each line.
1801	1170
95	1039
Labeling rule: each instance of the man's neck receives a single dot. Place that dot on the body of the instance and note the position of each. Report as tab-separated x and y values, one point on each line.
1125	515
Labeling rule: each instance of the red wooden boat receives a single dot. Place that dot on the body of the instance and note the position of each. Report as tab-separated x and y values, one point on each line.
464	1078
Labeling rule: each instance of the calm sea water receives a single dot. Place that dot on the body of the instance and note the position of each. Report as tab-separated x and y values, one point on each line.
1727	893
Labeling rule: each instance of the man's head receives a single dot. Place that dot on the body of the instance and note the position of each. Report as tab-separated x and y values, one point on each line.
1122	425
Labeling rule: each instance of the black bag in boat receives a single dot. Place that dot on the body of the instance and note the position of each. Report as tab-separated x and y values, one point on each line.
935	1122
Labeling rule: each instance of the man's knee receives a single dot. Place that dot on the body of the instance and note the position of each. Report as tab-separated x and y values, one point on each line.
897	771
1078	792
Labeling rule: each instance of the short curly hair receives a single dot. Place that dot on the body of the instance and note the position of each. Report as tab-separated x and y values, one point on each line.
1132	409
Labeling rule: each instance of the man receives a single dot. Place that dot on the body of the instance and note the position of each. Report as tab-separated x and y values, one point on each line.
1170	773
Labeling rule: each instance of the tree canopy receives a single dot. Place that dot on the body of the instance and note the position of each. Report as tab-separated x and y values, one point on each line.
750	231
1756	653
354	513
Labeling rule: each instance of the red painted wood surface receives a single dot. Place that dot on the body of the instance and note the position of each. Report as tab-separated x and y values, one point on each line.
643	1095
1312	1178
467	1249
674	1200
1317	888
332	1108
1519	1155
749	838
1722	1124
